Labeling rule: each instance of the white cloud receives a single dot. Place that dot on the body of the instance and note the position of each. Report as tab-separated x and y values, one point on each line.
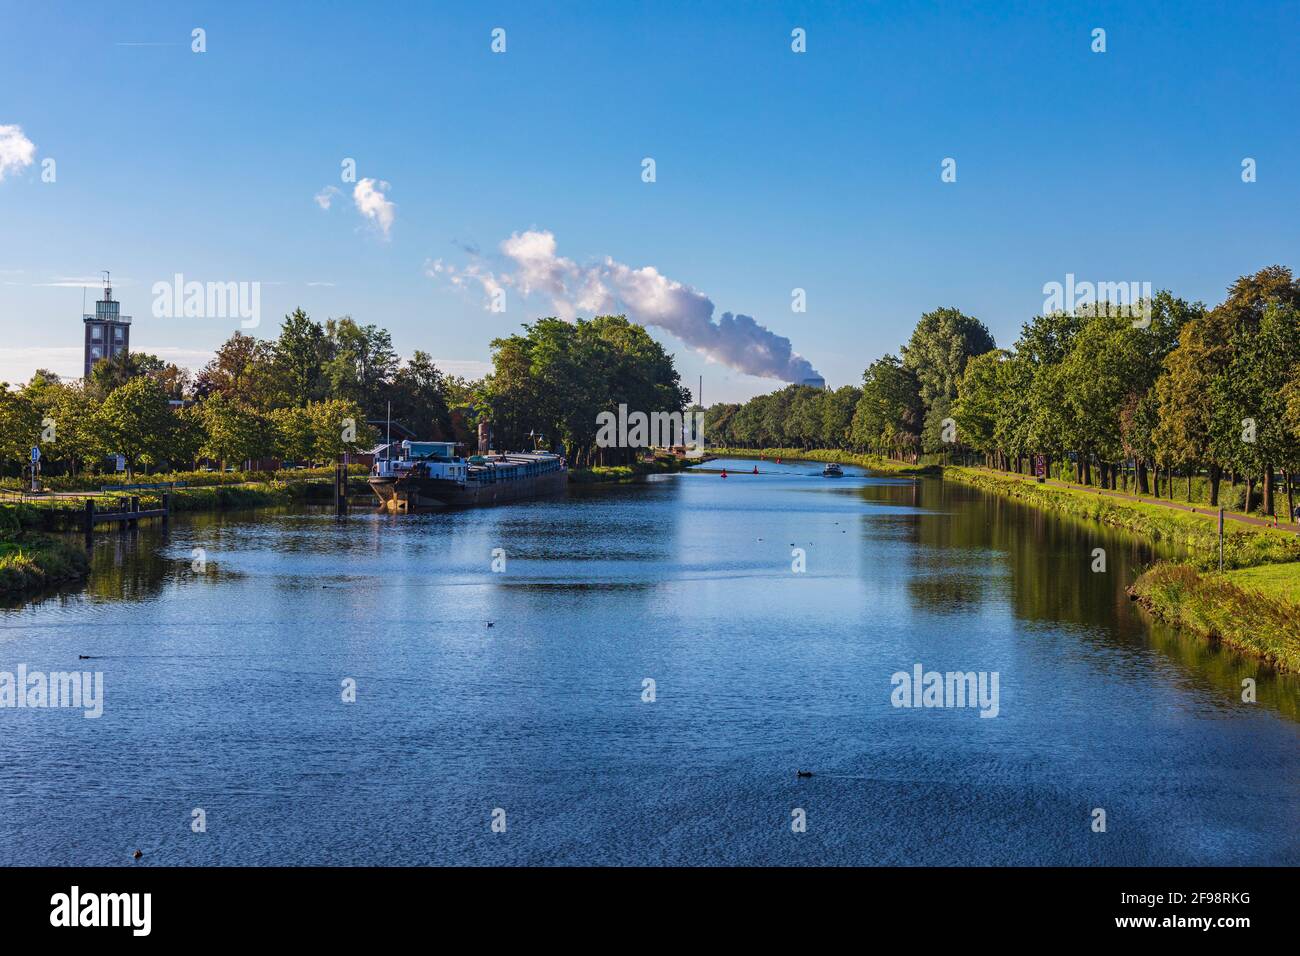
16	151
463	277
644	294
371	201
326	196
77	282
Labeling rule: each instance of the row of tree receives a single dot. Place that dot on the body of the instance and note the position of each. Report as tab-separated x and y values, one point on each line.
899	410
77	432
1106	395
306	396
1103	394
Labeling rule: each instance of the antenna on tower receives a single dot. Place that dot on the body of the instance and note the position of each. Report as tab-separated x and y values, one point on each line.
108	285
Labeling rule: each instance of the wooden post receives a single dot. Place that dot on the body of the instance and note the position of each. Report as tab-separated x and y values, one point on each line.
88	518
167	507
135	509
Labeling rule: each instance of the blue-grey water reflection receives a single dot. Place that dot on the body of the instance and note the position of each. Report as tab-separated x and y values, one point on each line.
223	690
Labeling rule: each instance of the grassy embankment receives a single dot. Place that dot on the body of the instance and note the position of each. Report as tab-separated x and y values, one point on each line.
202	491
623	474
874	462
30	560
1254	607
92	484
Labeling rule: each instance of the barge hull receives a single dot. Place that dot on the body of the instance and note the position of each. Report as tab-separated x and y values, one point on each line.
431	494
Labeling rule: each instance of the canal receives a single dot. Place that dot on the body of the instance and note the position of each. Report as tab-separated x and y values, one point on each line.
633	675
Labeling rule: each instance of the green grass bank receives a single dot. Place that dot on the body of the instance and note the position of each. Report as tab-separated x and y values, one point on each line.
30	560
1224	608
1252	607
874	462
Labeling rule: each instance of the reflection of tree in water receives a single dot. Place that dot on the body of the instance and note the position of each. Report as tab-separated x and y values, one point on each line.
135	564
973	548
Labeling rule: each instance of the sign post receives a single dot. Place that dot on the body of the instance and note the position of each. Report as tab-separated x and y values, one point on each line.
1220	539
36	469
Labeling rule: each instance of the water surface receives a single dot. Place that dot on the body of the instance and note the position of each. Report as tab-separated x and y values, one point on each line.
523	690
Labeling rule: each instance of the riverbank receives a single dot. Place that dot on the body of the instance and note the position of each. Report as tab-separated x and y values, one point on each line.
1196	532
1219	608
874	462
62	507
1252	607
31	561
626	474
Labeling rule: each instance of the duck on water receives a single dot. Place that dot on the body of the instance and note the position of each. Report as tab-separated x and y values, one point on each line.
430	474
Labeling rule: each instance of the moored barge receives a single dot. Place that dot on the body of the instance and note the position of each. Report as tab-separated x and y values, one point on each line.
429	475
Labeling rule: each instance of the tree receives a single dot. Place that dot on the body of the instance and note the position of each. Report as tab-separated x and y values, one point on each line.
299	356
558	377
418	400
718	421
361	363
981	397
338	427
19	426
67	415
941	344
136	422
189	435
837	415
295	436
1185	397
233	432
889	413
242	369
110	373
803	426
1101	371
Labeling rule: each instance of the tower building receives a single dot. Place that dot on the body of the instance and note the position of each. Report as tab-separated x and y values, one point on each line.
108	332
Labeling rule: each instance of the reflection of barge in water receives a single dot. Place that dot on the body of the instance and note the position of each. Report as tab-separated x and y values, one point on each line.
429	474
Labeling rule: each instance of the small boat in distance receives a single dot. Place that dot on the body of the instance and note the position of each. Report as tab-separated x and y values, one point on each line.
429	474
833	470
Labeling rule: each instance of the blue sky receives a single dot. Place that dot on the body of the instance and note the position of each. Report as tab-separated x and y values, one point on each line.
774	170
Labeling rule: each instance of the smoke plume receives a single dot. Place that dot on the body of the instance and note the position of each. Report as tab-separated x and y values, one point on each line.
645	296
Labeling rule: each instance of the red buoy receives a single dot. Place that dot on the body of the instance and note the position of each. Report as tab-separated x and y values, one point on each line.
724	473
756	469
